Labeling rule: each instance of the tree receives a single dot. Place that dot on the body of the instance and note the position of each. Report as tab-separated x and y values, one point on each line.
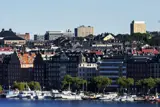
149	83
124	82
19	85
34	85
37	86
67	81
31	85
78	82
1	88
129	82
101	82
157	81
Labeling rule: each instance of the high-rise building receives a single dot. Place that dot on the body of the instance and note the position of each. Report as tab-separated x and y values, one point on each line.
138	27
83	31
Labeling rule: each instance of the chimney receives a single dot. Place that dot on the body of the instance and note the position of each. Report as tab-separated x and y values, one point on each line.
10	29
3	30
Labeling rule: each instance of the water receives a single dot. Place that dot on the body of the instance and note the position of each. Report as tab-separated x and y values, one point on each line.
59	103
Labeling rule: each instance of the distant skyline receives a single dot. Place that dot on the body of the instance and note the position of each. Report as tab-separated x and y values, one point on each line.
38	16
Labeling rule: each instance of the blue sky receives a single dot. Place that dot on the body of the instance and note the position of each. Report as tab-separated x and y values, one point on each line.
38	16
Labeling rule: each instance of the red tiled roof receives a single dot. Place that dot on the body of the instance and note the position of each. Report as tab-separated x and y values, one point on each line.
97	52
154	51
26	58
6	49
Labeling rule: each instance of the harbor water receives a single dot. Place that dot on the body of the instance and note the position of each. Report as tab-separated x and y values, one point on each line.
66	103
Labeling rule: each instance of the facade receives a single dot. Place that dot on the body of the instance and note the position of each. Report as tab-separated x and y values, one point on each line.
25	36
60	65
138	27
87	68
53	35
113	68
39	37
84	31
39	71
141	67
68	33
11	70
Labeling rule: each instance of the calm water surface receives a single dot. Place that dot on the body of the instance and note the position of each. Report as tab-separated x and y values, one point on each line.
59	103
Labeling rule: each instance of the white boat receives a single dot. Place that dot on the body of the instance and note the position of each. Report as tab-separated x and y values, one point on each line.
10	94
130	99
123	98
108	96
71	97
47	94
117	99
23	95
39	95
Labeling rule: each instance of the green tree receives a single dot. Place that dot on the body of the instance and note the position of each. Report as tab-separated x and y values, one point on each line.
122	83
129	82
1	88
37	86
139	84
34	85
149	83
157	81
78	82
67	81
31	85
101	82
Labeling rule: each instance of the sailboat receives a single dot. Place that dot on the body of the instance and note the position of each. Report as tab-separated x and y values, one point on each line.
28	94
68	95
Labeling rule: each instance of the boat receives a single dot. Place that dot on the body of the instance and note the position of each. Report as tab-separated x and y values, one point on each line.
92	97
47	94
24	95
117	99
39	95
70	96
56	94
108	96
10	94
129	99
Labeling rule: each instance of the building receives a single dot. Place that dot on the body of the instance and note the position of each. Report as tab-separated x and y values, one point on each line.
6	50
39	72
39	37
138	27
60	65
10	38
25	36
87	68
53	35
84	31
68	33
26	64
10	70
141	67
113	68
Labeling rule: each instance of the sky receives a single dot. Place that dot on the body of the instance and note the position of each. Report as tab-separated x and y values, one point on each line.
115	16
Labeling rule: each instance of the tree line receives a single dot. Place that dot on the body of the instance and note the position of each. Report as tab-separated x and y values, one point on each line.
25	86
100	84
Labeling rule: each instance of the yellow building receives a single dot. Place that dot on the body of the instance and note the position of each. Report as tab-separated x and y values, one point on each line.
84	31
138	27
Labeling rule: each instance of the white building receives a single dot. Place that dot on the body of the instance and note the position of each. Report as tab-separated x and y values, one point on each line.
87	69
